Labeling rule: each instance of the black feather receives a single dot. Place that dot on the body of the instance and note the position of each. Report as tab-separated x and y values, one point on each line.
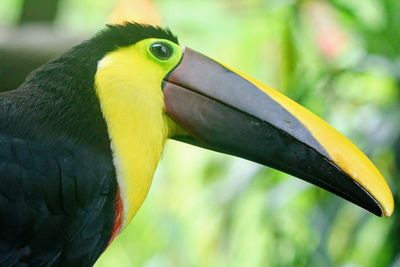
59	98
57	179
32	231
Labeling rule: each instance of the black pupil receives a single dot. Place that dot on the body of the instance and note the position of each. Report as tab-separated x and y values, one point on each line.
162	51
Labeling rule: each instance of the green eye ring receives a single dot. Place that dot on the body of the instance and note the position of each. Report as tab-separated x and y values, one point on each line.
161	50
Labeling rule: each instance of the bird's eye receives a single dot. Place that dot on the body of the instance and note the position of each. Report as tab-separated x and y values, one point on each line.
161	50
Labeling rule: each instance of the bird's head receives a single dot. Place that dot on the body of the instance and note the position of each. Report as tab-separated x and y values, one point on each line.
132	78
150	88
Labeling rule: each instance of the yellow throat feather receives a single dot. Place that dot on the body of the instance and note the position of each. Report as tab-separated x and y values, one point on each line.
128	84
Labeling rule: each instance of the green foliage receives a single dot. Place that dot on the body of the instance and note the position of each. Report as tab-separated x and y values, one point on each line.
9	11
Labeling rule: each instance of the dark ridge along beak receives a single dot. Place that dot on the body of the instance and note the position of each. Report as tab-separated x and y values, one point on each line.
226	111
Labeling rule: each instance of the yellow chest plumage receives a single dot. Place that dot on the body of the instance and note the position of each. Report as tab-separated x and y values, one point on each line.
129	90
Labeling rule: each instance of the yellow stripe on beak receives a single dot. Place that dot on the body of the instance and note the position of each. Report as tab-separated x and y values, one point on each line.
341	151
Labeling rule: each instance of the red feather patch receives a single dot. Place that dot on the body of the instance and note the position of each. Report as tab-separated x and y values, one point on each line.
117	219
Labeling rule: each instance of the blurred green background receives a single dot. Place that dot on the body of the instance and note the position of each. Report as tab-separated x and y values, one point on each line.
339	58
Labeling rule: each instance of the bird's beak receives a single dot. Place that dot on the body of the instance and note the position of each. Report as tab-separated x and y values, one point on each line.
228	112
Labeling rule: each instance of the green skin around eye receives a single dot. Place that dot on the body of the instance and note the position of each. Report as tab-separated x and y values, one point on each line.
167	64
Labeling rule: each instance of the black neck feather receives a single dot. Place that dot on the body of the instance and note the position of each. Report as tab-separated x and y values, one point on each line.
58	100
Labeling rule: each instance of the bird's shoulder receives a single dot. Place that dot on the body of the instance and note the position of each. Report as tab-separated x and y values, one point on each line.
56	203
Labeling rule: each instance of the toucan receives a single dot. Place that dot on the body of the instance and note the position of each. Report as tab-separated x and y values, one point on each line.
80	140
